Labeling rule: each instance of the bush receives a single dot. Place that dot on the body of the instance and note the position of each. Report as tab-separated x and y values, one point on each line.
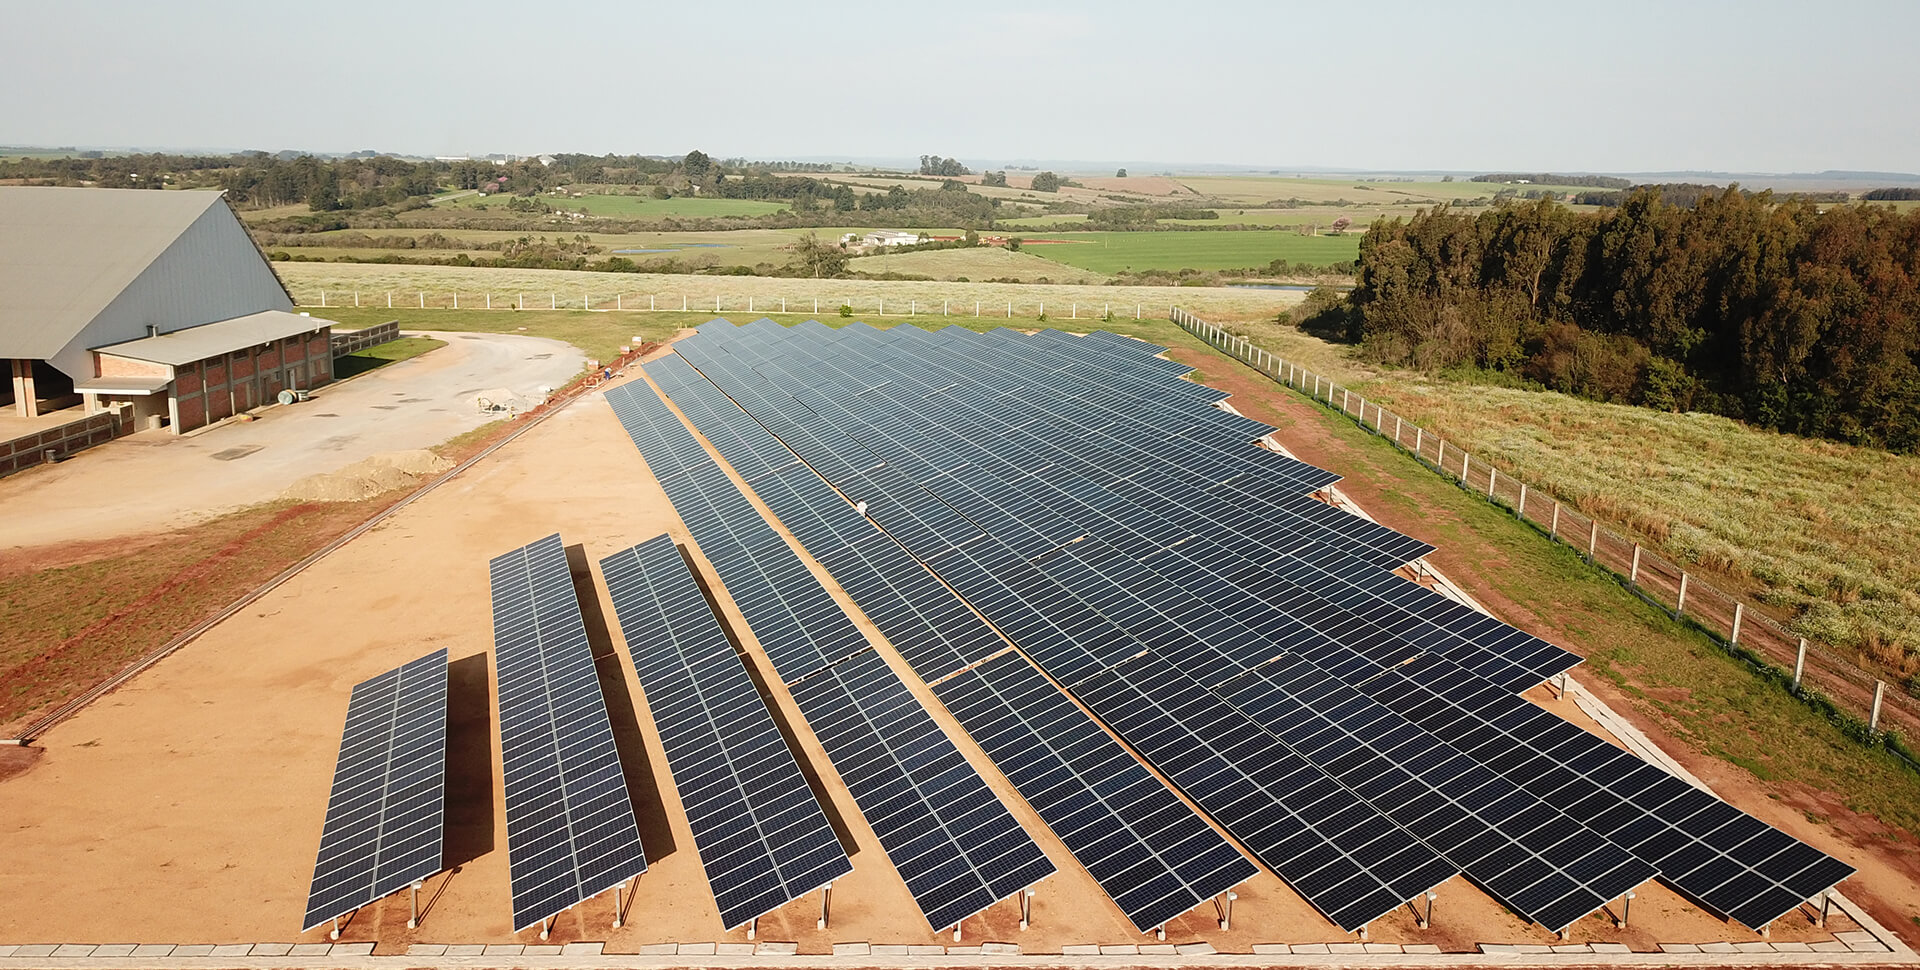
846	310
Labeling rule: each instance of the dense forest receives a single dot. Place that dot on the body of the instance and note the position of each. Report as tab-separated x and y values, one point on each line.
1548	178
1773	311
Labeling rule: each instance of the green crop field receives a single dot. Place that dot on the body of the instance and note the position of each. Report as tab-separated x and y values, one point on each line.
1114	252
977	263
635	206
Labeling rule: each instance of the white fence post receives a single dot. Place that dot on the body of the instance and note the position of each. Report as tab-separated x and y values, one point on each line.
1800	663
1466	461
1593	542
1879	695
1553	530
1520	508
1680	602
1633	574
1419	436
1493	475
1739	610
1440	456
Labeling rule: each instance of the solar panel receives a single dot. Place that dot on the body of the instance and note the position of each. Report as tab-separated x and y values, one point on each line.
1154	857
571	833
762	836
386	812
956	846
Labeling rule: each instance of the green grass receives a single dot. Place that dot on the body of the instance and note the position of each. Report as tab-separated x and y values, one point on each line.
380	355
1672	671
1114	252
635	206
975	263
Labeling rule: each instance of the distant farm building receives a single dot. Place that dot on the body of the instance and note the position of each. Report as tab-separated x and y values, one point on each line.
890	237
153	307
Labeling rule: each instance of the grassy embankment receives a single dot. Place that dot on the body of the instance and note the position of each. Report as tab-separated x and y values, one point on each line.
1668	670
380	355
1825	535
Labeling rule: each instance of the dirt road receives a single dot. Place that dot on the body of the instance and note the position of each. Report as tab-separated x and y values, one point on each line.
156	480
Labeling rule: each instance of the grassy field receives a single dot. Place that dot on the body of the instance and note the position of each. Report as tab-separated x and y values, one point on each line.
1112	252
978	263
1827	536
380	355
1256	188
635	206
571	289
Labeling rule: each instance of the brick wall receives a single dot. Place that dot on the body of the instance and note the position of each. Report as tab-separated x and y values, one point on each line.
30	450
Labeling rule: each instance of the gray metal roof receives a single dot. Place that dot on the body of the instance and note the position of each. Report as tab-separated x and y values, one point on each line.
213	339
124	385
67	253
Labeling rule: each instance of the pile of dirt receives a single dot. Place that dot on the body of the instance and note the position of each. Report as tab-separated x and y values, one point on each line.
368	477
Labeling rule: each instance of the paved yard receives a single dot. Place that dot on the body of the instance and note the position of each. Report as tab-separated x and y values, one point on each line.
157	480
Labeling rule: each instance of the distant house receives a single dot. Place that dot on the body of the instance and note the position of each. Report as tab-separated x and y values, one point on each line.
890	237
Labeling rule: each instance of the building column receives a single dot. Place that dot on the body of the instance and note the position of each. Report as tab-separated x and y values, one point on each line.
24	400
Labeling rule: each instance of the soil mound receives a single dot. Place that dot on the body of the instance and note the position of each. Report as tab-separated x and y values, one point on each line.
368	477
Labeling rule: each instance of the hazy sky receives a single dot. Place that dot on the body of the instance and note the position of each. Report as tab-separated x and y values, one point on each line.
1759	85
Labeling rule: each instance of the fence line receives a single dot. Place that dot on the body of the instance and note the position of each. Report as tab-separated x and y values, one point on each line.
1854	700
682	303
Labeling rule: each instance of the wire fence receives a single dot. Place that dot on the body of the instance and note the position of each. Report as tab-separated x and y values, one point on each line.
1856	701
873	306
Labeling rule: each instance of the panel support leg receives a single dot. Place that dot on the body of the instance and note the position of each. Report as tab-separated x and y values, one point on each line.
1160	932
1562	934
617	900
1766	932
1826	905
546	927
956	932
335	933
1225	905
1426	922
413	905
1626	911
753	926
1362	933
826	901
1026	908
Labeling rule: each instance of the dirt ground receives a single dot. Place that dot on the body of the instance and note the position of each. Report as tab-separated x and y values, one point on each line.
187	479
200	787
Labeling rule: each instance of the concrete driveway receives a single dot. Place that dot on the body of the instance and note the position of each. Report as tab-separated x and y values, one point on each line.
157	480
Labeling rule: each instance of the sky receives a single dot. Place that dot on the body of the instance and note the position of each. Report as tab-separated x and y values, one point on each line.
1607	86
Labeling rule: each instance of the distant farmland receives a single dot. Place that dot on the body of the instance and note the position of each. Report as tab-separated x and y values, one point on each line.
1114	252
638	206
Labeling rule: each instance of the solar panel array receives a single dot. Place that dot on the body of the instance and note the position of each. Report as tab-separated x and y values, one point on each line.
762	836
1096	509
387	810
937	633
571	833
952	841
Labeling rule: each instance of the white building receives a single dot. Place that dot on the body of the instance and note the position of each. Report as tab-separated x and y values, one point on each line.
890	237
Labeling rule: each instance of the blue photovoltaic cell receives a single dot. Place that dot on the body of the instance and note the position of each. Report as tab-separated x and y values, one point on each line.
386	814
570	827
762	836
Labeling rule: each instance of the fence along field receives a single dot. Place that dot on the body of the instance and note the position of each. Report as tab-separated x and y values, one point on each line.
469	288
1860	704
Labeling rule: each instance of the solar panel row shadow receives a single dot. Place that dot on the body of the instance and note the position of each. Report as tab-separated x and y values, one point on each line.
386	813
570	827
762	836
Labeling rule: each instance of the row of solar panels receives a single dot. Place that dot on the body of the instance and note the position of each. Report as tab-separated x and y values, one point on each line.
927	807
963	402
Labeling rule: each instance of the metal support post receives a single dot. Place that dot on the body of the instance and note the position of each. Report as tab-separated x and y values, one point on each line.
753	926
334	934
1026	908
826	901
1800	663
1396	429
1739	611
1419	439
1362	932
1826	904
1520	507
1226	908
1766	932
617	900
1160	932
1633	573
1879	695
546	927
956	932
1626	911
1680	602
1493	478
1426	921
1440	457
1553	528
413	905
1593	543
1466	462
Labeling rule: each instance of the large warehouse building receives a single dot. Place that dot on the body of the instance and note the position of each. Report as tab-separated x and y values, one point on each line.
155	304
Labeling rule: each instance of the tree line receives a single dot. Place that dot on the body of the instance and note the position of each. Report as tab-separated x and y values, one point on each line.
1549	178
1778	312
